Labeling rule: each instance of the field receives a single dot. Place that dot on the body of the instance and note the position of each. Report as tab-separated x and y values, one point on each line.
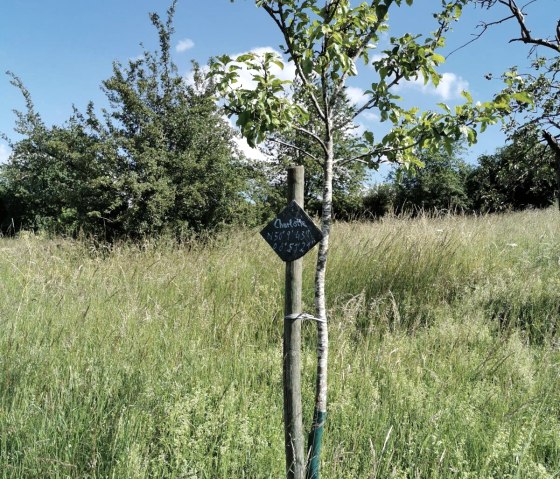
160	361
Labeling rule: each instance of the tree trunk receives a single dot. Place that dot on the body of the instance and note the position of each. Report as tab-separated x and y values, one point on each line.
320	410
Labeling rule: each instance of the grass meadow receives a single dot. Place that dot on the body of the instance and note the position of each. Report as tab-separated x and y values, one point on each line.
164	361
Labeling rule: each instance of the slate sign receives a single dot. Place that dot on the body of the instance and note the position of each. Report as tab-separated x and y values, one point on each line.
292	233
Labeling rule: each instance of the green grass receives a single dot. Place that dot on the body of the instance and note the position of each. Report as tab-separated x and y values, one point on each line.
165	362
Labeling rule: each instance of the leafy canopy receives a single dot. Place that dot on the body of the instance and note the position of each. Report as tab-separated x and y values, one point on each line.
326	43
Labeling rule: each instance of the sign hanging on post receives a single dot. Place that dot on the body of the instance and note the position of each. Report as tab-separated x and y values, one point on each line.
292	233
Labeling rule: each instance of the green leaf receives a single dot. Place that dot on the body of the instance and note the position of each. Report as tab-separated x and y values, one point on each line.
467	95
437	58
445	107
523	97
245	57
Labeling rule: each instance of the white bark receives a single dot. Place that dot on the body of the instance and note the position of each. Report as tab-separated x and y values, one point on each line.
320	298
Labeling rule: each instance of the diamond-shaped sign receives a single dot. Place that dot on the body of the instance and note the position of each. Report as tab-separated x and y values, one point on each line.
292	233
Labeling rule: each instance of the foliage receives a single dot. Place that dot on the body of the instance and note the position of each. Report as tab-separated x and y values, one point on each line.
327	43
53	178
518	176
543	87
378	201
440	186
160	160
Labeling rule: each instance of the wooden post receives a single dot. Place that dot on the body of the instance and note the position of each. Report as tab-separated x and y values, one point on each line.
293	422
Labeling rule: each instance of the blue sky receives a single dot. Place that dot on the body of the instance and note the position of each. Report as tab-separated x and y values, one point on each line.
64	49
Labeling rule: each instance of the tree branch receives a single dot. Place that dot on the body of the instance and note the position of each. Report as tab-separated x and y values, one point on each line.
552	142
484	26
373	102
526	36
360	49
281	23
312	135
519	16
297	148
379	153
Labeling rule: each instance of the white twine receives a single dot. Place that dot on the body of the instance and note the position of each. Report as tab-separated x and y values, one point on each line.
303	316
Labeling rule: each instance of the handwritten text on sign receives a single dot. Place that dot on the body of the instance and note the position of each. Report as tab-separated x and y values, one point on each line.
292	233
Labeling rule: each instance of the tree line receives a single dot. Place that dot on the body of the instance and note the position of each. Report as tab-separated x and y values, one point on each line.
517	176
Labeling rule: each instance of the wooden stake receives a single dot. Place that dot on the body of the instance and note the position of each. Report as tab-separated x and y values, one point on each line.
293	422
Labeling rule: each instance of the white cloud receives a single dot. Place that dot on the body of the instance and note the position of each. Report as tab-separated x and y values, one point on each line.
370	116
184	45
355	95
251	153
449	87
376	57
4	153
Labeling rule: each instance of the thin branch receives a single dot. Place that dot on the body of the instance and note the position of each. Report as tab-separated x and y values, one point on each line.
295	58
371	153
297	148
373	102
554	123
378	153
484	26
312	135
345	161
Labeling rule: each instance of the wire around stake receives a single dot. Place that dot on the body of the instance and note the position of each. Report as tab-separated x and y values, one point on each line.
303	316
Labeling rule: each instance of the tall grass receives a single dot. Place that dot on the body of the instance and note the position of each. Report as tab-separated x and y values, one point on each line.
165	362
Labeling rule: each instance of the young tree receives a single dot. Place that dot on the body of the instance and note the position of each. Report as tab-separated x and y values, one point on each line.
326	41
